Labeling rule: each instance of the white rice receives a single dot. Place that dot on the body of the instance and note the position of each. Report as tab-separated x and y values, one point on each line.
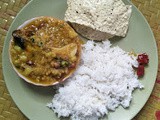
104	80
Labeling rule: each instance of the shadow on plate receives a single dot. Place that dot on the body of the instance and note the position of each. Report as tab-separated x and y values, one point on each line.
115	40
39	90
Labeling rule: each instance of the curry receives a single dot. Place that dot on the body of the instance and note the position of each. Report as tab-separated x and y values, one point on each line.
46	50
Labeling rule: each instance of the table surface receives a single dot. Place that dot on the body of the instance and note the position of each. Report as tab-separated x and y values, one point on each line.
8	10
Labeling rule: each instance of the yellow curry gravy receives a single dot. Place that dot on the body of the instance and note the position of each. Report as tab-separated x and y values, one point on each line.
46	50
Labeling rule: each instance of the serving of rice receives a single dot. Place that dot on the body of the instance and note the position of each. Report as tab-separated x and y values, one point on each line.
104	80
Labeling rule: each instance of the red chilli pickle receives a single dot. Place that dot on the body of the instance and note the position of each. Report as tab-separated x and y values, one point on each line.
143	60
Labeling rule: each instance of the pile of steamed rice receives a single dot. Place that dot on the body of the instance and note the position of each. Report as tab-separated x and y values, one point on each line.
104	80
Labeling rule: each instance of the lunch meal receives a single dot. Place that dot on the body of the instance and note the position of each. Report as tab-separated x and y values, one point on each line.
45	51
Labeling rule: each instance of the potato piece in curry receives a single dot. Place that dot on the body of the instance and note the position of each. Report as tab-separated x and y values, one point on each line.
45	51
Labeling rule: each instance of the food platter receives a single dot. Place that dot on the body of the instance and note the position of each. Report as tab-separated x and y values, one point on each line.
31	100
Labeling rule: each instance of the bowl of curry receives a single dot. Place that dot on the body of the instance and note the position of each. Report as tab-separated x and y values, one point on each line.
44	51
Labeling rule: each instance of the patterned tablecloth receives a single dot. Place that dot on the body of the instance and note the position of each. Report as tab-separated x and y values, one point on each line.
9	9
